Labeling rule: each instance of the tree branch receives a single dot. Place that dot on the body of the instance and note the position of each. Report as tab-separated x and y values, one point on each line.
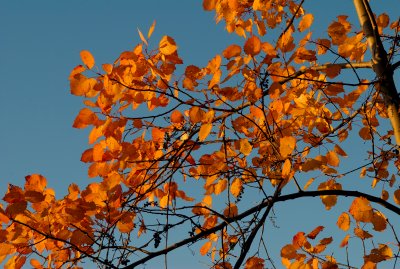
266	203
381	66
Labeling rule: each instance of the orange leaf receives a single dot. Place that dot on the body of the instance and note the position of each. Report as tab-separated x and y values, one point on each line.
151	30
85	118
177	117
323	45
220	186
232	51
81	85
287	145
286	168
167	45
205	130
87	58
252	46
299	240
343	221
340	151
36	264
205	248
245	147
107	68
288	252
305	22
361	210
254	263
231	210
360	233
332	159
236	187
142	37
396	196
345	241
209	4
315	232
379	221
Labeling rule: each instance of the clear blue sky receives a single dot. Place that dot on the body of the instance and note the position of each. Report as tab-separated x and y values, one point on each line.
40	43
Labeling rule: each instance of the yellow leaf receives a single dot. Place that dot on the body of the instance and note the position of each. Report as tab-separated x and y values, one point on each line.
205	248
167	45
142	37
87	58
343	221
305	22
252	46
205	130
236	187
151	30
287	145
245	147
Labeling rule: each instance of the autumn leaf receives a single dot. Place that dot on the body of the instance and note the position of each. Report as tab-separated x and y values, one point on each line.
232	51
231	210
151	29
236	187
287	145
361	210
288	252
142	37
313	234
205	130
345	241
252	46
205	248
379	221
245	147
87	58
254	263
305	22
167	45
343	221
177	117
209	4
396	196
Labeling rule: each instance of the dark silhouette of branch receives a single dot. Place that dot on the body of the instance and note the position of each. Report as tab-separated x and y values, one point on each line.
269	202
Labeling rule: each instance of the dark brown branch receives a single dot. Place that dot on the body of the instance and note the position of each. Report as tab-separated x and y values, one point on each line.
266	203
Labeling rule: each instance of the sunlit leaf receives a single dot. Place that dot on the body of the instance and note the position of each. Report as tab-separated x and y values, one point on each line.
361	210
167	45
343	221
252	46
87	58
306	22
313	234
205	130
245	147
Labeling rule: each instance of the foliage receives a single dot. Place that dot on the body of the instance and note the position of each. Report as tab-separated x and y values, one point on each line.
182	158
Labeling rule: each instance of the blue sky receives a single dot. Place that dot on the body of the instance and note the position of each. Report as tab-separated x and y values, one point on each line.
40	43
